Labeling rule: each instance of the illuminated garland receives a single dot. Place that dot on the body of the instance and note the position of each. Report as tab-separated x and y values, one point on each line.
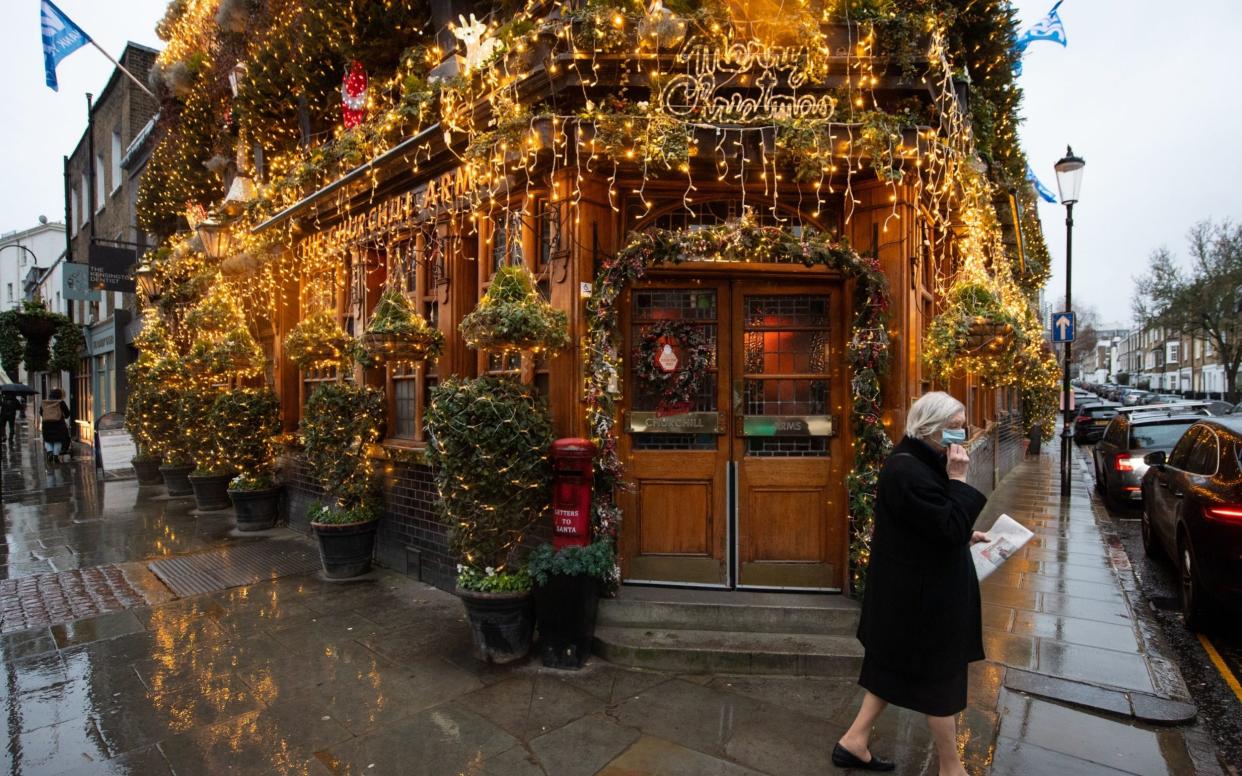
742	241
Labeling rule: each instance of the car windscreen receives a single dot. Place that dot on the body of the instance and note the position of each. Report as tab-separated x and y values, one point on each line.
1166	434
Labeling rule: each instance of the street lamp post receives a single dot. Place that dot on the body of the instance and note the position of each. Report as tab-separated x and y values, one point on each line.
1069	180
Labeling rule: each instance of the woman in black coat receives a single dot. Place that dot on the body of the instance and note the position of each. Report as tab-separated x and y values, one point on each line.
54	417
921	624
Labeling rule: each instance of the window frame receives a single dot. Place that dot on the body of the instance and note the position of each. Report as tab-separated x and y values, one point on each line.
419	281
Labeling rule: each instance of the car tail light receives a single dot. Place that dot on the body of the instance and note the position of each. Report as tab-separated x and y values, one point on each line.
1225	513
1082	418
1124	462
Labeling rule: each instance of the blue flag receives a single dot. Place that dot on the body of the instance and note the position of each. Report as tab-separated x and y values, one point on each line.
61	37
1043	191
1048	28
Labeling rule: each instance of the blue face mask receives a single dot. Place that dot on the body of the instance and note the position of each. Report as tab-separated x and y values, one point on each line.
952	436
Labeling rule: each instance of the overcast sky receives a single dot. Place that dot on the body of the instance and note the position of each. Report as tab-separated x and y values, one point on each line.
1145	92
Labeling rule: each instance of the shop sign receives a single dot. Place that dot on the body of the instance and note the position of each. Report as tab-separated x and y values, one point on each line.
683	423
76	279
111	268
787	426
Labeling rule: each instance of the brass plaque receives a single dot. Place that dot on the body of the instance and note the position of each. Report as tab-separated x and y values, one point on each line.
682	423
787	426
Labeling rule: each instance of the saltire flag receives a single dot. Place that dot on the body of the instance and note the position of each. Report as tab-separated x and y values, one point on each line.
1049	28
1043	191
61	37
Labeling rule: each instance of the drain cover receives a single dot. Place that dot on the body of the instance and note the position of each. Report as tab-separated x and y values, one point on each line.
242	564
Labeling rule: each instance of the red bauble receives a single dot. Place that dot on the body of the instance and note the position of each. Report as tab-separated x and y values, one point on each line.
354	95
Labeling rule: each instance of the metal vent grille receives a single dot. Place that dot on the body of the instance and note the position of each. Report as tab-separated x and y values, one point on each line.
242	564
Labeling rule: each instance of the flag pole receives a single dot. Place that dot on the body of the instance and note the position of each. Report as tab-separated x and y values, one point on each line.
121	67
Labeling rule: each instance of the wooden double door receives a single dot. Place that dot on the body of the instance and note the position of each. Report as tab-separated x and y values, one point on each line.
744	485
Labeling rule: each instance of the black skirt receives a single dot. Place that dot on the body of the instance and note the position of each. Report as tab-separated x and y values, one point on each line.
942	697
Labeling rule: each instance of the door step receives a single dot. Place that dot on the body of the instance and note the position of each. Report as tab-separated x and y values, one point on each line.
709	631
729	652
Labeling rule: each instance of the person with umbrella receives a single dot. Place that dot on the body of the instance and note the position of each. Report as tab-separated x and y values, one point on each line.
9	405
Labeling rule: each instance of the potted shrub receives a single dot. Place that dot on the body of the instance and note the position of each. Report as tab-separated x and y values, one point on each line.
170	440
140	424
396	332
246	420
346	538
567	588
490	440
341	423
212	471
513	316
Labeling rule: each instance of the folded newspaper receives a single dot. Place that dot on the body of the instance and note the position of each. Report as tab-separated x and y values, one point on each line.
1005	537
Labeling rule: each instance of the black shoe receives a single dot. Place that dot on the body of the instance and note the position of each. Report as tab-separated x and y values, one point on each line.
844	758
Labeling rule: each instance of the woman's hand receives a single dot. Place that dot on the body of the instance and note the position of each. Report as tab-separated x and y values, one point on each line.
979	536
958	463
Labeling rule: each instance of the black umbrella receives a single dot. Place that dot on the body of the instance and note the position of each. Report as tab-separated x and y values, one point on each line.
17	389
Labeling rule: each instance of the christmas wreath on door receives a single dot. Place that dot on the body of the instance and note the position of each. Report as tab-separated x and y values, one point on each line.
671	361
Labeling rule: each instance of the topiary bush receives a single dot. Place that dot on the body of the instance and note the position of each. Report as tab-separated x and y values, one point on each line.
489	447
244	421
341	422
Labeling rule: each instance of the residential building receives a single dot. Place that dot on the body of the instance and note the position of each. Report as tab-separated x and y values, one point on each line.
25	256
101	192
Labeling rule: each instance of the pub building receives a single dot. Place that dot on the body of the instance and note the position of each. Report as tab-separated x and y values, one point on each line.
743	486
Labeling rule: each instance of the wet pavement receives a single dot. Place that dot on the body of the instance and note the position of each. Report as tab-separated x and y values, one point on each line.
1157	583
304	676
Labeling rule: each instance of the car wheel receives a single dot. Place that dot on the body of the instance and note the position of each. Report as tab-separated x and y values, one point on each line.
1195	609
1151	547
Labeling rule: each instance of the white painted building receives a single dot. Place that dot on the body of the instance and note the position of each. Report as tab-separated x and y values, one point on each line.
26	256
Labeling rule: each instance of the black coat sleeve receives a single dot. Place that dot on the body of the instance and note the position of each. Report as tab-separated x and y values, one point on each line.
946	518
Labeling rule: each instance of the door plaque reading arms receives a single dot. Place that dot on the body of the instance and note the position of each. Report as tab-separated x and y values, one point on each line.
787	426
682	423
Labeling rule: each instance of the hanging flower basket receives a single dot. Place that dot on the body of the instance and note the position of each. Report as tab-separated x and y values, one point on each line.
513	316
983	333
318	342
398	334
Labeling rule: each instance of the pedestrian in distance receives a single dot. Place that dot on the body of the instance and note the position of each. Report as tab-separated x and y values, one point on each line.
921	623
54	417
9	407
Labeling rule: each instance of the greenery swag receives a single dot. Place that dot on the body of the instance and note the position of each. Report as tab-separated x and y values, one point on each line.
744	241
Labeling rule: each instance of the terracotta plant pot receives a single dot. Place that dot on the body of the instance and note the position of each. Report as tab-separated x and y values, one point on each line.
176	479
500	624
147	470
211	491
256	509
565	612
345	550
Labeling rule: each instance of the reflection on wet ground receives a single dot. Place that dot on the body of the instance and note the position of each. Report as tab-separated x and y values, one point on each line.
301	676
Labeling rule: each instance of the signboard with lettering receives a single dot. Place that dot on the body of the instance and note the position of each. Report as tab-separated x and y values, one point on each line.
787	425
112	268
682	423
77	282
113	445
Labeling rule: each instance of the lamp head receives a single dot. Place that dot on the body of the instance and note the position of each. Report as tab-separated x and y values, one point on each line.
1069	176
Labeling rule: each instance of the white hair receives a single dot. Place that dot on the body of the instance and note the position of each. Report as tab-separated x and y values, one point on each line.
929	414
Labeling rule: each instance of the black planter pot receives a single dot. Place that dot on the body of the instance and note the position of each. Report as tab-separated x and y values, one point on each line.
211	491
147	470
500	624
177	479
256	509
565	612
345	550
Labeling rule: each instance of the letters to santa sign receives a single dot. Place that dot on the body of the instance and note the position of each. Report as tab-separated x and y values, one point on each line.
112	269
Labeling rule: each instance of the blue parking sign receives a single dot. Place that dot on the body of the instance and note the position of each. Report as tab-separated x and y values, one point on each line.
1063	327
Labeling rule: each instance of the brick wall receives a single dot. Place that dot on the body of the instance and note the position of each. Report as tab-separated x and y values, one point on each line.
411	539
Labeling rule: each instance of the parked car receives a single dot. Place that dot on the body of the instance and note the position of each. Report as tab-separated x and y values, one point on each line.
1118	457
1134	398
1192	511
1169	397
1218	408
1091	421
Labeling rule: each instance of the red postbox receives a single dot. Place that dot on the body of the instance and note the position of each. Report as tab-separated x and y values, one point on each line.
572	474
